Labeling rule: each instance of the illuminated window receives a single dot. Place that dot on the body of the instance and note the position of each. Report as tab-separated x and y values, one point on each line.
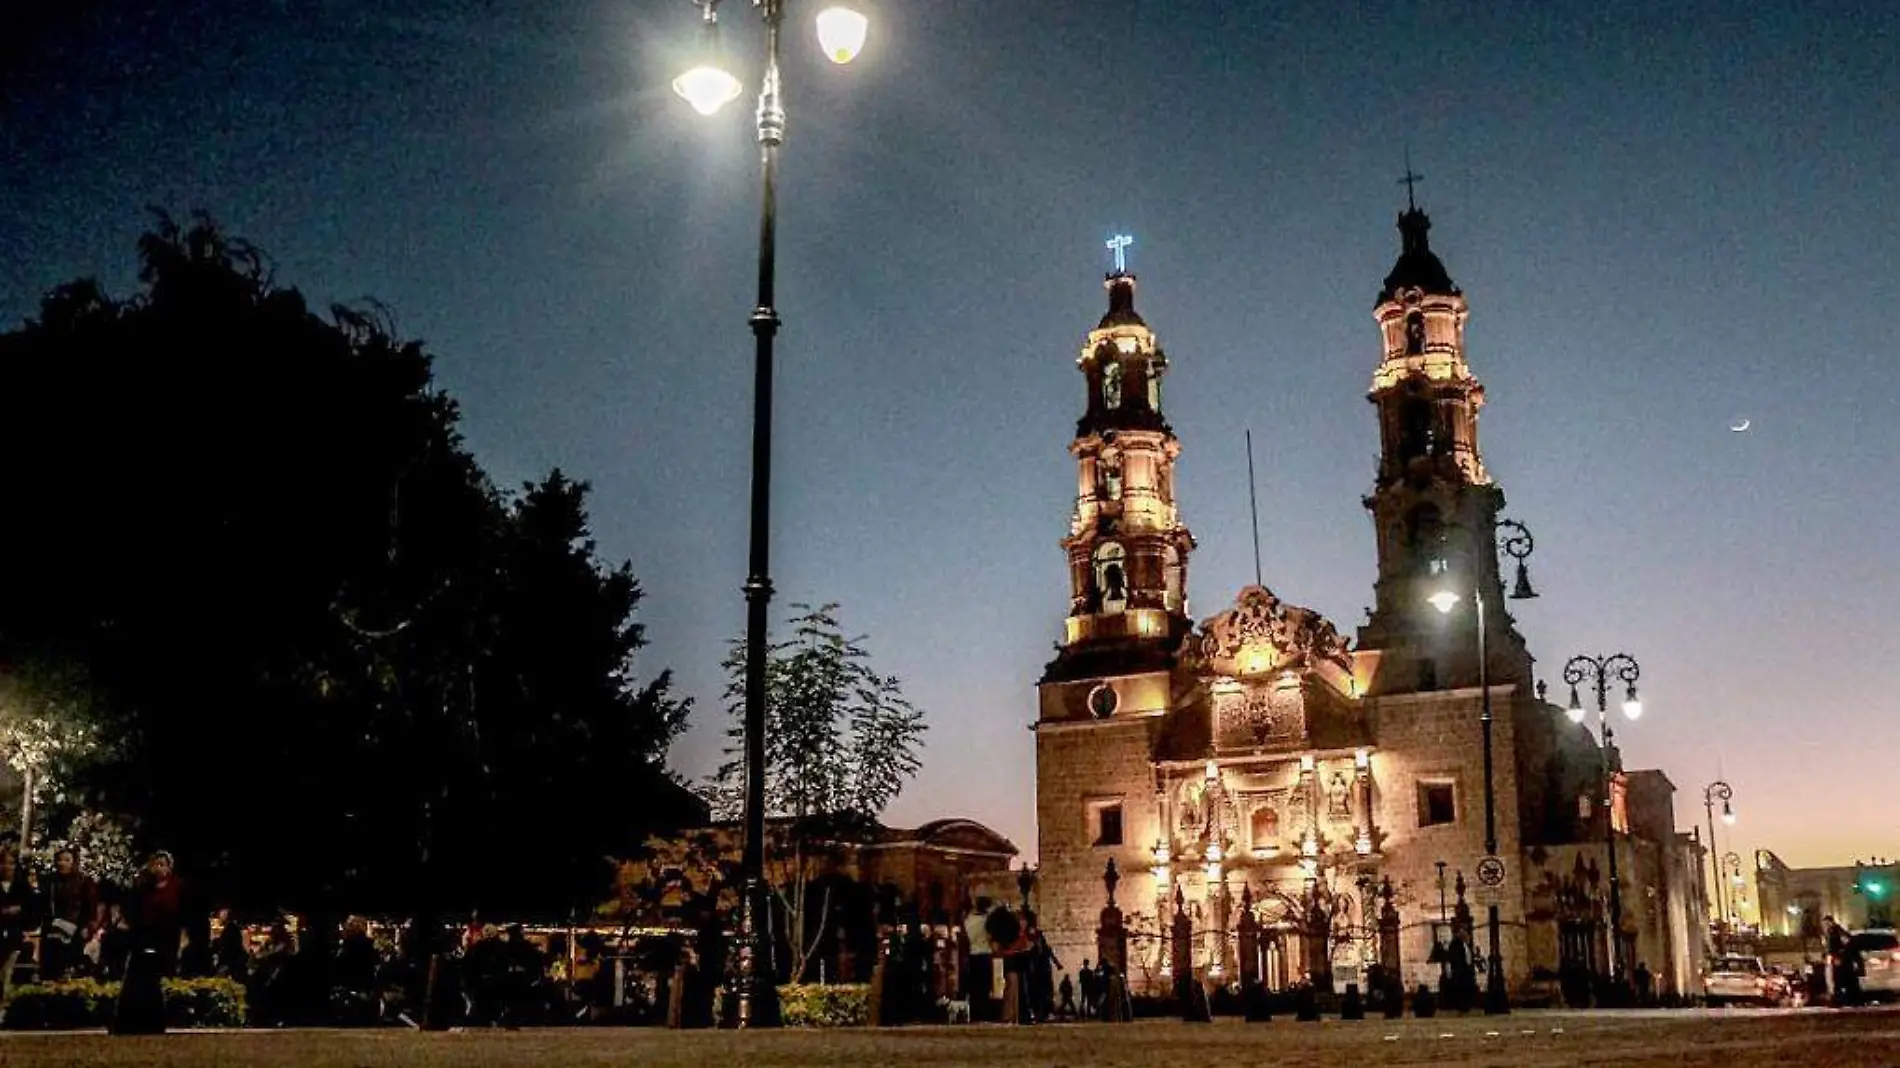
1437	803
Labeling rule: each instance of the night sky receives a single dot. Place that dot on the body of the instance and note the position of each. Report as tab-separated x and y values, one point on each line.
1667	218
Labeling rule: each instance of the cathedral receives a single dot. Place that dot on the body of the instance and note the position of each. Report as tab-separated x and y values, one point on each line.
1261	797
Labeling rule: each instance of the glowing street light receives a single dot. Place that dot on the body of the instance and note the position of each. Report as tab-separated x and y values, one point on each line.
841	33
708	86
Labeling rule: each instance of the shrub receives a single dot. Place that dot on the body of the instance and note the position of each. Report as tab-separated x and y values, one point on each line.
825	1005
87	1003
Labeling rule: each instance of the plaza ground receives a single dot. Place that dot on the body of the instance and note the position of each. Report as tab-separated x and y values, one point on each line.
1808	1038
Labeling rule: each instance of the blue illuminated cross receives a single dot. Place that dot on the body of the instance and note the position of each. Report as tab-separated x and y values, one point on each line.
1119	246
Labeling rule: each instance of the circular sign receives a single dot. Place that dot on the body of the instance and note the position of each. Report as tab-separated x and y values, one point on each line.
1491	871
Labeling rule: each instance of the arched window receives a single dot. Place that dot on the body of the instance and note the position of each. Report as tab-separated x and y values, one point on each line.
1154	388
1414	334
1112	384
1111	576
1264	828
1417	434
1108	470
1425	538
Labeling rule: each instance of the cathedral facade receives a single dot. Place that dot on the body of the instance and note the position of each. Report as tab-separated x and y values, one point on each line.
1281	802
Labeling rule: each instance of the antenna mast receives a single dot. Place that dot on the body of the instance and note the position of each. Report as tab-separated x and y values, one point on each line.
1253	506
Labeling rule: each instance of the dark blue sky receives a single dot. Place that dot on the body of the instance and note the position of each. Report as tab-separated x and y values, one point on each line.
1666	218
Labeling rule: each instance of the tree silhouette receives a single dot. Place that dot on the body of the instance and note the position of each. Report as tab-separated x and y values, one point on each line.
337	666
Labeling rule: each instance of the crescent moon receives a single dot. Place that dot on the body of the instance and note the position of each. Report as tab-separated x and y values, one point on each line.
1741	426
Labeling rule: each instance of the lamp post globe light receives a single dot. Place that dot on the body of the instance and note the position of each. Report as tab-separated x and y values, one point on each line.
709	85
1516	542
1713	792
1600	672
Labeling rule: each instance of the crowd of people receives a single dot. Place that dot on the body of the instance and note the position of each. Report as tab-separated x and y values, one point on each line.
63	925
77	929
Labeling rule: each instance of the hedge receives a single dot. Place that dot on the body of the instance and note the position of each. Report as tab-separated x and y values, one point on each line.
86	1003
825	1005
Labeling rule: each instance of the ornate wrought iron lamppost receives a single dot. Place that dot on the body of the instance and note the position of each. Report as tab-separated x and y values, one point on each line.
1723	792
1516	543
1600	671
709	86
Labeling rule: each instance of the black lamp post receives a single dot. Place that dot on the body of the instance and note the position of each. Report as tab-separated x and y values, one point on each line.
708	86
1723	792
1600	671
1517	543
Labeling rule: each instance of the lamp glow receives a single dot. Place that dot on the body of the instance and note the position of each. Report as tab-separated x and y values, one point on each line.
1575	711
1444	601
841	33
707	88
1728	814
1632	707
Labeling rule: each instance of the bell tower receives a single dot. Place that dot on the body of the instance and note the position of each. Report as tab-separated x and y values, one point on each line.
1434	507
1127	549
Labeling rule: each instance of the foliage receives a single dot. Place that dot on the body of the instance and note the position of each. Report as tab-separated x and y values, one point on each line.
47	732
87	1003
345	669
106	849
841	742
825	1004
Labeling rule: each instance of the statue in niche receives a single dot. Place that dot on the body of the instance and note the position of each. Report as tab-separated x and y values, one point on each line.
1339	797
1109	470
1112	384
1111	578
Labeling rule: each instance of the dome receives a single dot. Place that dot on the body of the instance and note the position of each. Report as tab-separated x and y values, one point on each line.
1418	267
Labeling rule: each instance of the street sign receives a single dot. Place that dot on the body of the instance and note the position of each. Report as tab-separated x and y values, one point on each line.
1489	895
1491	871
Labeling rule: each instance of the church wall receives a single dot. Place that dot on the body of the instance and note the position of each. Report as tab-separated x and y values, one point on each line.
1076	769
1429	738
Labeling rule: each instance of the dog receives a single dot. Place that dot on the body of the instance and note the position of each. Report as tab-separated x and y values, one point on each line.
955	1011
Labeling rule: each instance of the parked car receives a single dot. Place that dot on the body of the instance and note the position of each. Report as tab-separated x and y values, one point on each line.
1737	980
1879	951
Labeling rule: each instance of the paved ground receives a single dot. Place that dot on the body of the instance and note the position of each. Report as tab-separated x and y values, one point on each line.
1800	1038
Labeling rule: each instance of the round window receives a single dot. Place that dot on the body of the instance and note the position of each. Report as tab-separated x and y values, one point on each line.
1102	701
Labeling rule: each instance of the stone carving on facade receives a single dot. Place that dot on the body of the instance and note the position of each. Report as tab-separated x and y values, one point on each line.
1263	633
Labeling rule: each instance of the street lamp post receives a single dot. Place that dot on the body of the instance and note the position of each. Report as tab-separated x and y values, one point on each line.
708	86
1723	792
1516	543
1599	671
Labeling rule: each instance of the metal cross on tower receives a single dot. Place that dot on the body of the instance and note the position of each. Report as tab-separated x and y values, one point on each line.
1119	246
1411	179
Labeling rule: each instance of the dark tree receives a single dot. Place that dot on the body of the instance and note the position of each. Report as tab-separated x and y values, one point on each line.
340	669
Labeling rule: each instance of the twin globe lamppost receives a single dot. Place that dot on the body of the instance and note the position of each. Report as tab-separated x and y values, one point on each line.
709	85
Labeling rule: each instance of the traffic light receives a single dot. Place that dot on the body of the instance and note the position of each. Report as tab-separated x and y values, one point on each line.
1875	887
